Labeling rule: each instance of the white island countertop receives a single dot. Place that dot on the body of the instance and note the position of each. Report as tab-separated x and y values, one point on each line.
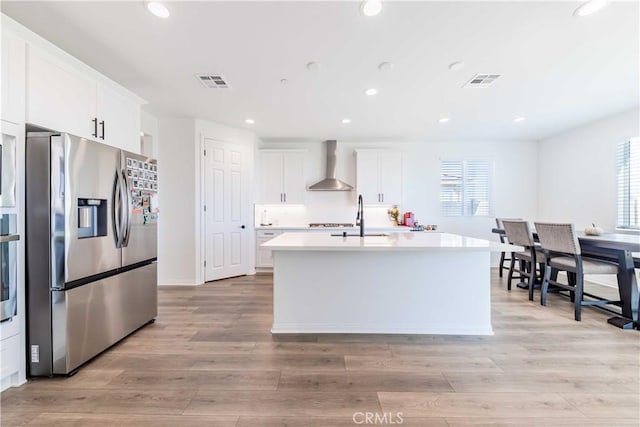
412	241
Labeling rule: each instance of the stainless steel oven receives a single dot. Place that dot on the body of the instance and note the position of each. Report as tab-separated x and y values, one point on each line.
8	265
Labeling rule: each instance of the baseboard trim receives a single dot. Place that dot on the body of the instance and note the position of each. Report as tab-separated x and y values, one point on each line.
325	328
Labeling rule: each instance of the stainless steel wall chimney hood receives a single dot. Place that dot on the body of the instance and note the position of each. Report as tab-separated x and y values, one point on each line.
331	183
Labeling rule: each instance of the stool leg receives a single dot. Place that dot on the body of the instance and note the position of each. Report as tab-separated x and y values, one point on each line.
532	279
510	275
578	296
501	263
571	278
545	285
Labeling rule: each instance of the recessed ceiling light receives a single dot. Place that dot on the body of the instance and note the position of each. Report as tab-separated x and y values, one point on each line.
158	9
371	91
519	119
385	66
590	7
371	7
346	121
313	66
444	120
249	121
455	66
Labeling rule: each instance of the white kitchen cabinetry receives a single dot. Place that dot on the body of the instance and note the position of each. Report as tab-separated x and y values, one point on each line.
61	98
379	176
264	256
118	119
282	177
13	76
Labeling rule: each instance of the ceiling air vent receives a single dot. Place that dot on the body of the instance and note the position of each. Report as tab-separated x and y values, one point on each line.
482	80
213	81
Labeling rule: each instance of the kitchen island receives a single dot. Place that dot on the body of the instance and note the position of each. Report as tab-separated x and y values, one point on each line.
400	283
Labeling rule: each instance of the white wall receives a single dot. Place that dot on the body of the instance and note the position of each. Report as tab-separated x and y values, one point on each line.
177	198
514	181
149	126
577	172
180	246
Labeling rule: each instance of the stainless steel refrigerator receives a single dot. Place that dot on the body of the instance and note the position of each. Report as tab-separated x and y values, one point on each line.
91	248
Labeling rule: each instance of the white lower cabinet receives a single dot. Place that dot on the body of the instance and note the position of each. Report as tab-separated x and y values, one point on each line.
10	360
264	257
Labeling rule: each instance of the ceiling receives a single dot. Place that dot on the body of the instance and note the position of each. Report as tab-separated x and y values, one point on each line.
556	70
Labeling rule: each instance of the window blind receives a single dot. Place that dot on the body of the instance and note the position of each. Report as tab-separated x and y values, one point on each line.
465	188
628	179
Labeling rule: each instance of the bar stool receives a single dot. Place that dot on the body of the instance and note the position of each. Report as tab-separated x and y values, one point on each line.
562	251
504	239
519	233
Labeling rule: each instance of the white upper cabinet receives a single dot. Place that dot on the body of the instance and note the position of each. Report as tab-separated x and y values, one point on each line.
379	176
367	176
282	177
118	119
62	98
13	74
59	97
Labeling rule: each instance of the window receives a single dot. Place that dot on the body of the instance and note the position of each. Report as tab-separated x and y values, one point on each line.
628	177
465	188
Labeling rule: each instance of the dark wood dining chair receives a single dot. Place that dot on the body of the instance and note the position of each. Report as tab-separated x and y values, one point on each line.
504	261
562	251
520	233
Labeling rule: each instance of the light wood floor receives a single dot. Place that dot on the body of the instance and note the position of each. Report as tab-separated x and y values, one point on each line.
210	360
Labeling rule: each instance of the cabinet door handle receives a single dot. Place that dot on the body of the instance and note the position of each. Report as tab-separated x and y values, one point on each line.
285	197
102	126
382	197
95	127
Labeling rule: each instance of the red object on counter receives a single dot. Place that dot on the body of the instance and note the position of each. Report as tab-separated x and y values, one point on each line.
408	219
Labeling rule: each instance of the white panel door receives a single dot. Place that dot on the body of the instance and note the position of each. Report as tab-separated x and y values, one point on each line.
226	201
58	97
271	178
294	182
390	177
367	177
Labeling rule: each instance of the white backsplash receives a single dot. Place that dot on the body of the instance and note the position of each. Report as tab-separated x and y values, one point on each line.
302	216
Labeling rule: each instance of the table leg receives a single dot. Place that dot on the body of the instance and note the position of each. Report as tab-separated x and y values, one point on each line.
628	288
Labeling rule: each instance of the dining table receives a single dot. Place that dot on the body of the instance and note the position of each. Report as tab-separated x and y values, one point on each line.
624	250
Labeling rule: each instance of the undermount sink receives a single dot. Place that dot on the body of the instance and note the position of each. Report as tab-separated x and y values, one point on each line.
358	235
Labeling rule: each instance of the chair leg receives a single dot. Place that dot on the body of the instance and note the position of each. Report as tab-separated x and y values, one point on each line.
578	296
510	275
571	278
545	285
501	263
532	278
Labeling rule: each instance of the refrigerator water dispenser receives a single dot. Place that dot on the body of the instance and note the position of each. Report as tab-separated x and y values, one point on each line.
92	218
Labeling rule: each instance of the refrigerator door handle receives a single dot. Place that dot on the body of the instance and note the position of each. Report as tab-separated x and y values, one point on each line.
116	216
128	209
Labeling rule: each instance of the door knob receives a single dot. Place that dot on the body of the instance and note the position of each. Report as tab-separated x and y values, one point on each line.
242	226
